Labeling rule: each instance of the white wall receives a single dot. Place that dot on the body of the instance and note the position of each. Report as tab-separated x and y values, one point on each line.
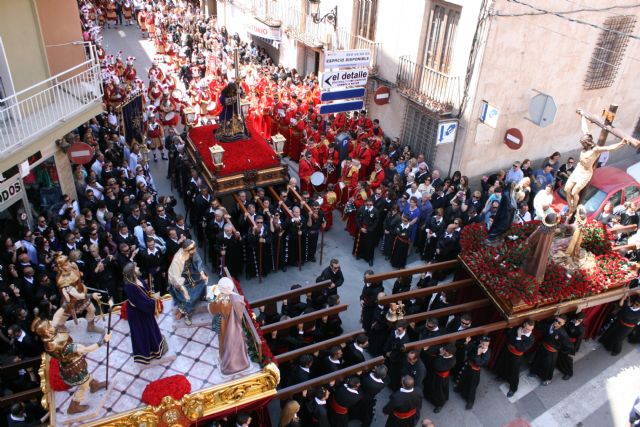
551	55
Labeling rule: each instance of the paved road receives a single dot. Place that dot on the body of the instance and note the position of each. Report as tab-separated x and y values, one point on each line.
599	395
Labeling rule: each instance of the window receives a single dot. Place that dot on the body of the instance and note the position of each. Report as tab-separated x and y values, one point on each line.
366	19
609	51
443	22
420	132
631	193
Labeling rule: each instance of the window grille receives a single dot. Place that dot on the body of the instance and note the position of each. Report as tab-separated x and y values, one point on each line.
609	51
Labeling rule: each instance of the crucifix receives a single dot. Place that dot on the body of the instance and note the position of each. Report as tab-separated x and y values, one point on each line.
590	153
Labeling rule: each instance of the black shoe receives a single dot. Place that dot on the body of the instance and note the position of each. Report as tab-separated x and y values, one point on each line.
437	409
371	262
511	393
469	406
532	375
566	377
284	269
615	353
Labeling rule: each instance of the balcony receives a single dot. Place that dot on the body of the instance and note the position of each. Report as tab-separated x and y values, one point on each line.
346	40
36	110
437	91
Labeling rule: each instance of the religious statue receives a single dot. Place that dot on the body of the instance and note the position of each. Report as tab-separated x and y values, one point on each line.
583	172
231	126
230	306
76	299
539	243
72	360
574	249
187	280
142	308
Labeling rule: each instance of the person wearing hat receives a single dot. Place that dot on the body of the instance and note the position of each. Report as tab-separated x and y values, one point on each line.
436	384
230	306
187	280
575	331
478	355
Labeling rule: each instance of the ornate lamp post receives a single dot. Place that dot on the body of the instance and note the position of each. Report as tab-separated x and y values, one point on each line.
331	17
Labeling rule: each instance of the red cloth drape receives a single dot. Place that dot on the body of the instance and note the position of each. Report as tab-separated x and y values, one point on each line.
595	317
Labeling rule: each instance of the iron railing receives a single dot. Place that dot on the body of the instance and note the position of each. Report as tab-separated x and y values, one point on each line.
347	40
32	112
433	89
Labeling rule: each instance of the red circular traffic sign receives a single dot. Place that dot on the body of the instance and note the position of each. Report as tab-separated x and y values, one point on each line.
514	139
80	153
382	95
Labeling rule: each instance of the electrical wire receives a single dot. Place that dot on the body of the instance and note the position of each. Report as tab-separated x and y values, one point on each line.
567	12
574	20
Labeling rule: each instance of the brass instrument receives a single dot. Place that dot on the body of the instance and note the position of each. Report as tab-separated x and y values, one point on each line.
396	312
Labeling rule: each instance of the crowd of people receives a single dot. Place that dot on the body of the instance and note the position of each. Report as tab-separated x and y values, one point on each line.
390	200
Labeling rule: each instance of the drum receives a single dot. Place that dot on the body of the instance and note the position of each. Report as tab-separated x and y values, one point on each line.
170	119
317	179
176	95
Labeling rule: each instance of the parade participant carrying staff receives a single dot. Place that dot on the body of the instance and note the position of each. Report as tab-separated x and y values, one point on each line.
187	280
72	360
75	296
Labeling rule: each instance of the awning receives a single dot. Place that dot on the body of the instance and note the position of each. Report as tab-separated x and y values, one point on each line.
263	30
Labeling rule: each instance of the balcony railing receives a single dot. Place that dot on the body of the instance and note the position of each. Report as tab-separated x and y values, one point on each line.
346	40
299	24
435	90
32	112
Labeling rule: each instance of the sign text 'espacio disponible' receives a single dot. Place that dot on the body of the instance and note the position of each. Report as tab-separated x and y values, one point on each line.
333	79
347	58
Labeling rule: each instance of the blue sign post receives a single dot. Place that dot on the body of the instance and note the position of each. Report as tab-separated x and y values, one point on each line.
342	94
342	107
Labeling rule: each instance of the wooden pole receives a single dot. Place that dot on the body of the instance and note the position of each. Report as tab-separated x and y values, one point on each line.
609	115
609	128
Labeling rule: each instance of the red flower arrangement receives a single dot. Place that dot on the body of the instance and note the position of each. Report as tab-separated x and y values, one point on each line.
175	386
596	238
267	355
498	267
55	380
473	237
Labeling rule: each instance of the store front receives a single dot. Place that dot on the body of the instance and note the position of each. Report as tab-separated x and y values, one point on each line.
266	35
27	190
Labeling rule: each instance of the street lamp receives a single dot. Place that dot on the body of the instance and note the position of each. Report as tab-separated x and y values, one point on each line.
331	17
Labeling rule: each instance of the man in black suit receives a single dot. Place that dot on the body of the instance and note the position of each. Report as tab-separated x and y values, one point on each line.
344	399
161	222
371	383
404	405
366	222
394	352
331	363
315	413
302	371
333	273
369	300
18	417
354	351
414	367
25	345
447	247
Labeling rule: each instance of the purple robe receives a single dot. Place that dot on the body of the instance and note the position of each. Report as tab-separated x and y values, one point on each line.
146	340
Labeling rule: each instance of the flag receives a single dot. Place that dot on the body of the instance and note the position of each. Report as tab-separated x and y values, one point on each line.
133	119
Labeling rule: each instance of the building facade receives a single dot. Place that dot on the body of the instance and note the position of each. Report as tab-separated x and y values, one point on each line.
49	85
449	62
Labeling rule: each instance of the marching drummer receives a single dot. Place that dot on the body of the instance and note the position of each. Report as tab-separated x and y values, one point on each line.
168	109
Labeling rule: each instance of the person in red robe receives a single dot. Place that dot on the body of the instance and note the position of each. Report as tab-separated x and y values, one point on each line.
377	176
348	180
305	171
363	154
358	196
298	128
330	165
329	202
